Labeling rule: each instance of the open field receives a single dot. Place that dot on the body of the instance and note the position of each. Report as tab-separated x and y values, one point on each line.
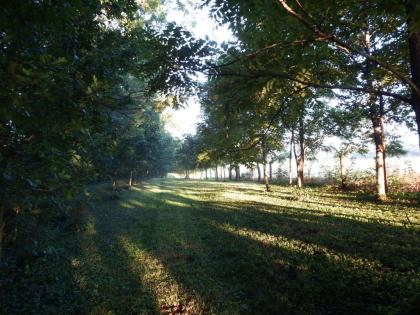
175	246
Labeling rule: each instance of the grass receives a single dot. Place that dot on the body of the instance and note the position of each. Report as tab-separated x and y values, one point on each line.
174	246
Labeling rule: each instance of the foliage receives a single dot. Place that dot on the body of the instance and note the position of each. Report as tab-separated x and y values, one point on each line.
186	155
78	104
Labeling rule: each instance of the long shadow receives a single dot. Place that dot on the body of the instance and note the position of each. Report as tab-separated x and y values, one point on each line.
234	273
369	198
371	240
106	274
79	269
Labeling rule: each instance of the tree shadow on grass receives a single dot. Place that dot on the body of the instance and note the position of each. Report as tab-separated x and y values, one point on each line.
104	269
394	199
235	258
161	249
371	240
79	269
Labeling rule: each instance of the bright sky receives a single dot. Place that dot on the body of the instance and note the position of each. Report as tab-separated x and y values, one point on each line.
183	121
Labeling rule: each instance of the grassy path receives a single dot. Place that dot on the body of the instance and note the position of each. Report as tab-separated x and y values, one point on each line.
229	248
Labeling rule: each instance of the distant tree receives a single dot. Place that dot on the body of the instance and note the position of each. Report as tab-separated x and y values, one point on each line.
186	155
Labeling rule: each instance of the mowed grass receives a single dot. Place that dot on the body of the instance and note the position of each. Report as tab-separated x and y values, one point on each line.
197	247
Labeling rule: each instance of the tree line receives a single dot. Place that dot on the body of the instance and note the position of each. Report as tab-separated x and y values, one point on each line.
83	84
273	86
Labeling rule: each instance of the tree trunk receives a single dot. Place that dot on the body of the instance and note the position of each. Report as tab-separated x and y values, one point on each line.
187	173
264	156
114	183
265	175
343	175
230	171
376	115
415	103
382	120
237	173
300	176
414	51
216	173
379	159
206	175
271	170
130	179
290	158
223	173
300	160
259	171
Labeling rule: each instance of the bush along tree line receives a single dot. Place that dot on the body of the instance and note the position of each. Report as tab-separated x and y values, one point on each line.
82	86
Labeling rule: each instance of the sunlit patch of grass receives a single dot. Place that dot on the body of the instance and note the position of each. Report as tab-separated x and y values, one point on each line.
176	203
153	275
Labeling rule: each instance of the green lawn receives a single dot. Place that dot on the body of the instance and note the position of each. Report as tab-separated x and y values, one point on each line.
174	246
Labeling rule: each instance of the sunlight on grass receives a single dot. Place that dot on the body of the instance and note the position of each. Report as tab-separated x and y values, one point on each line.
295	245
176	203
286	197
154	276
129	205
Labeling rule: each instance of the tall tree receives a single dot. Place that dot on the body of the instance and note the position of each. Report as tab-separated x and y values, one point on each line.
333	35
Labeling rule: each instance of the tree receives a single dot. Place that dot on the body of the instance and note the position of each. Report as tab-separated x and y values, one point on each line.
336	43
187	155
64	112
237	128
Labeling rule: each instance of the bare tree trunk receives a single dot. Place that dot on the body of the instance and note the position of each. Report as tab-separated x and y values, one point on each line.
237	173
382	120
379	159
271	170
206	175
223	172
376	116
230	171
292	140
265	176
259	171
300	176
130	179
300	160
217	173
187	173
343	175
264	156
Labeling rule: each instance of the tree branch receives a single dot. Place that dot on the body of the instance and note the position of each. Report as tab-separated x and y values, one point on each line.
281	75
268	47
343	44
